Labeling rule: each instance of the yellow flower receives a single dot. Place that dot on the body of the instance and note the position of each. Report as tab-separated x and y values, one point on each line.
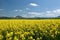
1	37
15	38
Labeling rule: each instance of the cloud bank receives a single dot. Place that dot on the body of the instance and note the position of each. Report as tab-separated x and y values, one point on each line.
53	13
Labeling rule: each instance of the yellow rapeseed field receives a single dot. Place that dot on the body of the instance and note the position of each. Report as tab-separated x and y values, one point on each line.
30	29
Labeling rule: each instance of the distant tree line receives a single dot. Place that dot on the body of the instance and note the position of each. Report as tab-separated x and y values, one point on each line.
20	17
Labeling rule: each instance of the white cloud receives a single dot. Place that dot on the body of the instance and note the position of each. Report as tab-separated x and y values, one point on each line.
15	10
50	15
20	10
34	13
27	9
53	13
48	11
57	11
34	4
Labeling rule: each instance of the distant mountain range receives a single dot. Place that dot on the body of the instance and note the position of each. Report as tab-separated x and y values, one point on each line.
59	16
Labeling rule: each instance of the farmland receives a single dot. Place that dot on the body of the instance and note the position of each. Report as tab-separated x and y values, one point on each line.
48	29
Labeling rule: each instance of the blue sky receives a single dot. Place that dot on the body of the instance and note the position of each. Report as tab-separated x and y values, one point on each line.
30	8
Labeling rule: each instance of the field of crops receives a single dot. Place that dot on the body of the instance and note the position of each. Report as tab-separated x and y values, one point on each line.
30	29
